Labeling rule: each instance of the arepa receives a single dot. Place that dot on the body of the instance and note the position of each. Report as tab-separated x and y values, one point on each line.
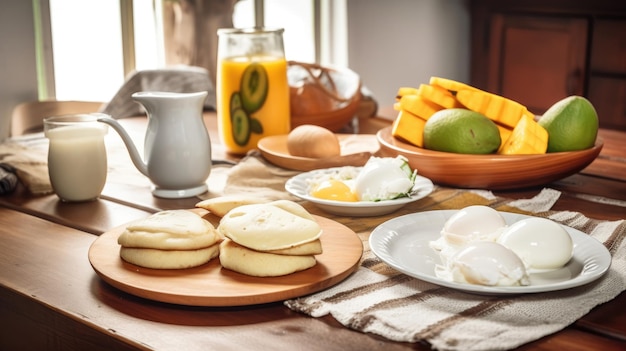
265	227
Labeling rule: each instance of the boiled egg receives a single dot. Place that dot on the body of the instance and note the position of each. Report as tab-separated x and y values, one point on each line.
541	243
333	189
467	225
473	223
485	263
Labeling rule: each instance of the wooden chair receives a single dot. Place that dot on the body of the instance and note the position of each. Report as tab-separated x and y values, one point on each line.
27	117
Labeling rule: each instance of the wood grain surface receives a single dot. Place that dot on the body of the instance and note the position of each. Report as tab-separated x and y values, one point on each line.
51	298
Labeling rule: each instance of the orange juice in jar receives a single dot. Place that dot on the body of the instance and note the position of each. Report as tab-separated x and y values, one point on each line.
252	87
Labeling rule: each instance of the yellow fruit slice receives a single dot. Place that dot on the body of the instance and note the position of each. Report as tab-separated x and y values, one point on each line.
527	138
402	91
418	106
499	109
505	132
449	84
438	95
409	128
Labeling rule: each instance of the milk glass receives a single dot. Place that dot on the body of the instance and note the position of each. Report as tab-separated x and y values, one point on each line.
77	159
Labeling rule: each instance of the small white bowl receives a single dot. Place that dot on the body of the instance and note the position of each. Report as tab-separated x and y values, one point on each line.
298	186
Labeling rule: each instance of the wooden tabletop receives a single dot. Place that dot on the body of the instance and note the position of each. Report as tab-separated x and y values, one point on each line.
51	298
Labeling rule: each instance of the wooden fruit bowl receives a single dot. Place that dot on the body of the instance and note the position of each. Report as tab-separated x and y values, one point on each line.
493	172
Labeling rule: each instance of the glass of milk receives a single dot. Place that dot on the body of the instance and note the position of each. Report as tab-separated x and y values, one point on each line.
77	159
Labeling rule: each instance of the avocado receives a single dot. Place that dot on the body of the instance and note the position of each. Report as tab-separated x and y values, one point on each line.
241	126
254	87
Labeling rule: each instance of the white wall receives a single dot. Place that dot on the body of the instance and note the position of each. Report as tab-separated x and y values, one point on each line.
397	43
18	73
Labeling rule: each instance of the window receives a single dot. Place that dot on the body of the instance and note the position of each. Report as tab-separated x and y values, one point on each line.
297	17
88	51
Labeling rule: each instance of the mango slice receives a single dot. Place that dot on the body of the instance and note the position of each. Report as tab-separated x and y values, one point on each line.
449	84
527	138
402	91
418	106
438	95
497	108
409	128
505	132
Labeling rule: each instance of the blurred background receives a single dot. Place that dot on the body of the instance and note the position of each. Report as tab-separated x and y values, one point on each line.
536	52
83	50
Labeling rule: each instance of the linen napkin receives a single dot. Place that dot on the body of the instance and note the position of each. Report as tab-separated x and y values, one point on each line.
30	165
377	299
176	79
255	176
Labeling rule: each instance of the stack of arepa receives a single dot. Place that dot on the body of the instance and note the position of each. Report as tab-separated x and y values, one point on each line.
173	239
254	237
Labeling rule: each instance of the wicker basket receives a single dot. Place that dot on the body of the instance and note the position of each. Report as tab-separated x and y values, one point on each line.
323	96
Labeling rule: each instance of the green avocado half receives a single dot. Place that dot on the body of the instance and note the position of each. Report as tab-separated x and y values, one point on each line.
254	87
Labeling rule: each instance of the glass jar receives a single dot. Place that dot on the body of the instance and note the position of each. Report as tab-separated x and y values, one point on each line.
77	159
252	87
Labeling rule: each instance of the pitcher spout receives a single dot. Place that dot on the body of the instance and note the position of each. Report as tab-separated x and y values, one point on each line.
130	146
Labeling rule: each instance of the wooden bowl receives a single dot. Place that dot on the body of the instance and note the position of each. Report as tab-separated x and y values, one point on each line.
345	85
494	172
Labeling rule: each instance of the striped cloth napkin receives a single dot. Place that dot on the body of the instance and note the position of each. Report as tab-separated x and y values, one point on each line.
379	300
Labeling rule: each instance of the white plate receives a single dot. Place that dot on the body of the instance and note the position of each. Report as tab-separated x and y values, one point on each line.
298	186
402	243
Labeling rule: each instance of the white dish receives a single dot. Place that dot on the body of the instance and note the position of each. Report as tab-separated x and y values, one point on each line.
402	243
298	186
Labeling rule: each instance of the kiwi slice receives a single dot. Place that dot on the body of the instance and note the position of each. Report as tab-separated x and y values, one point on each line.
254	87
235	101
241	126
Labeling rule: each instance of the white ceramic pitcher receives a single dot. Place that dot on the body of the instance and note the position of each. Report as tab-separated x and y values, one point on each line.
177	148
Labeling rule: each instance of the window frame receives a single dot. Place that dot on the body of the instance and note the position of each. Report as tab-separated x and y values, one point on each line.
329	32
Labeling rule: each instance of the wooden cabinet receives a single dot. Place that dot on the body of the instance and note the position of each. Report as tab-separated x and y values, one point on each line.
538	52
607	78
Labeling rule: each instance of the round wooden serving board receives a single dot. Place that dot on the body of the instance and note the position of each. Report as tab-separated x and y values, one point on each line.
212	285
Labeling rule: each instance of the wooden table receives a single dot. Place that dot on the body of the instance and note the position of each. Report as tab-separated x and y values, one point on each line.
51	298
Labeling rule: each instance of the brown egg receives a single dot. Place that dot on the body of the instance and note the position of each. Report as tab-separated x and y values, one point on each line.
313	142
